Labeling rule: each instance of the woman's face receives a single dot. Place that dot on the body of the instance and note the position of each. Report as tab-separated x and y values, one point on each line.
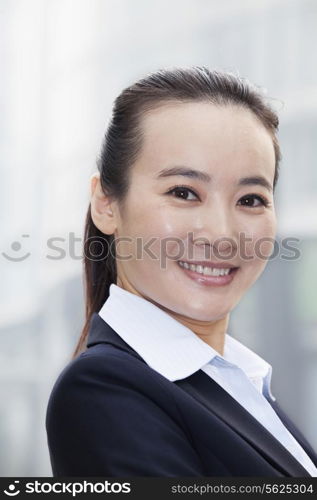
218	221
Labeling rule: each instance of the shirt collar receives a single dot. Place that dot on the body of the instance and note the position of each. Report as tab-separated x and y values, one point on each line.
168	346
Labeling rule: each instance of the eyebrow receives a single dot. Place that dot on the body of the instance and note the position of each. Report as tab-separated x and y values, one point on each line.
204	177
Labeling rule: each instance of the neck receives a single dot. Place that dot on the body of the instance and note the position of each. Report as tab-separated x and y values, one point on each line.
212	332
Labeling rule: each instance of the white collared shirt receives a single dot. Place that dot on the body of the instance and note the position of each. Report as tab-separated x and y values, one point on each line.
176	352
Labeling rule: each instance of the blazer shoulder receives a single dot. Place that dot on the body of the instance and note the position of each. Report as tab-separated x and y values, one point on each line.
109	413
105	360
104	366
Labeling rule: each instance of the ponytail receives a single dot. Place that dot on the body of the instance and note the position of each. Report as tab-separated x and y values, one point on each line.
99	273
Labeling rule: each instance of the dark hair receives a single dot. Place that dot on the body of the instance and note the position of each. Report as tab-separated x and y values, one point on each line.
123	142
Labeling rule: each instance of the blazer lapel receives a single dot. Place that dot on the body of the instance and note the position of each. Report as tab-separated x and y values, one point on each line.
293	430
205	390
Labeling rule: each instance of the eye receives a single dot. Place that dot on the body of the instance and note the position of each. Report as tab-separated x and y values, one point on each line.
182	193
249	199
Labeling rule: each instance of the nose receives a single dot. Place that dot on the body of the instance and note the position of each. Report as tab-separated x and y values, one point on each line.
214	229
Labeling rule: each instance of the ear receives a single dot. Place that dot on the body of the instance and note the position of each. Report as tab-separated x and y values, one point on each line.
102	212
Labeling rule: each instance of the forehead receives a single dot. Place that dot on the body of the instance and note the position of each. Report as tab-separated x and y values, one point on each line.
205	135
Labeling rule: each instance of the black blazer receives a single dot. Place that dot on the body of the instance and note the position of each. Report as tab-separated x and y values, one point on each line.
110	414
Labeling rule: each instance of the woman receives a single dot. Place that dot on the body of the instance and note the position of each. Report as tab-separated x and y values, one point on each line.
182	198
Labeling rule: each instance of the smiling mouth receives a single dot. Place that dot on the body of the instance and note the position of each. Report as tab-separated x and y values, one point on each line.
208	270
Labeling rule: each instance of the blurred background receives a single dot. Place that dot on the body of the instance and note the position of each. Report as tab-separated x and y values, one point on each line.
62	64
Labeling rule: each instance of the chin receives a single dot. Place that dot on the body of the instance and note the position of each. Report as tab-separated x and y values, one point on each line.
206	314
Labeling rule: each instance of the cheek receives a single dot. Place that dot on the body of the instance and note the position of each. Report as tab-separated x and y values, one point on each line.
259	240
150	233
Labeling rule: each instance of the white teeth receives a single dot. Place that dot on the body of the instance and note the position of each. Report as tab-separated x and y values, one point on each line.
207	271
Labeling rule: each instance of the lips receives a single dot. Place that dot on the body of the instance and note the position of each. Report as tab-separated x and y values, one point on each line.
209	278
